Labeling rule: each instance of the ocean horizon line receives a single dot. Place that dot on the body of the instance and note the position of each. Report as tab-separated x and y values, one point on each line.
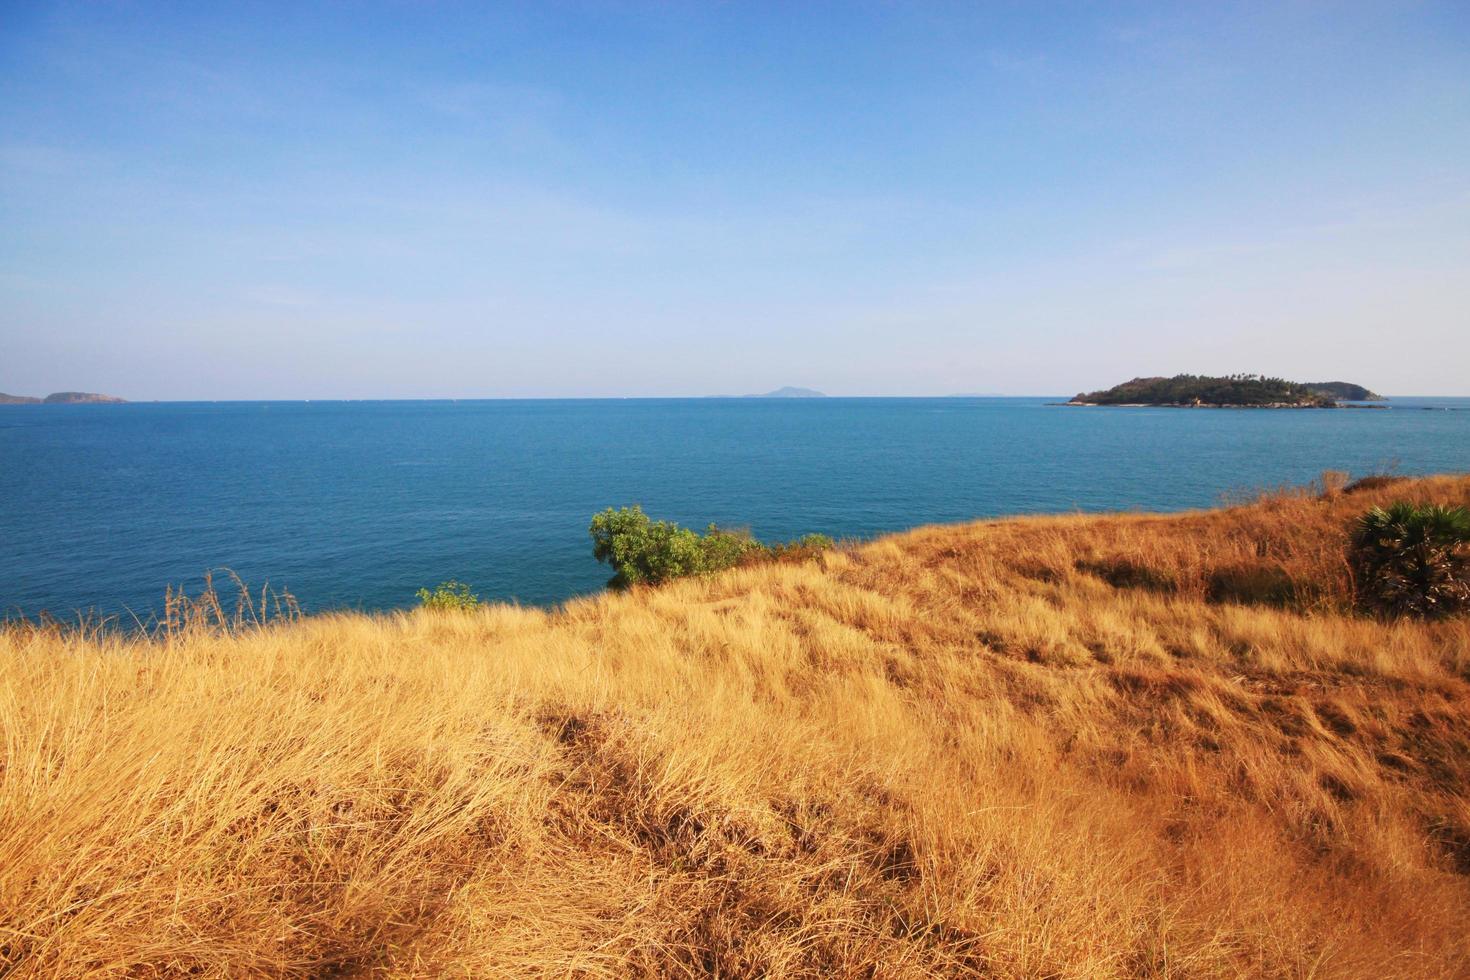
594	398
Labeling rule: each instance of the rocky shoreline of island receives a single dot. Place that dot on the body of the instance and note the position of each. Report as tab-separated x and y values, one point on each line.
1274	405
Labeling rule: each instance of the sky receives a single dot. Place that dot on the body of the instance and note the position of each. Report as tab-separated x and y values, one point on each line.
436	199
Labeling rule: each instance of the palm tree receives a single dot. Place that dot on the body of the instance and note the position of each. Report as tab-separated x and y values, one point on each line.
1413	560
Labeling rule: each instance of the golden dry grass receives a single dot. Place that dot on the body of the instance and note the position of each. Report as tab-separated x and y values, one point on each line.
1074	746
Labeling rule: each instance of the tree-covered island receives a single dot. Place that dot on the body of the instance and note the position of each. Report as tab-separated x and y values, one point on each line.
1231	391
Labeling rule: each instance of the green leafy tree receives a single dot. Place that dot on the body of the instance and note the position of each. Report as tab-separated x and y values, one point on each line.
722	548
1413	560
448	595
643	551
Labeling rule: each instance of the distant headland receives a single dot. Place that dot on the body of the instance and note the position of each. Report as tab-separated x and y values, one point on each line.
62	398
789	392
1231	391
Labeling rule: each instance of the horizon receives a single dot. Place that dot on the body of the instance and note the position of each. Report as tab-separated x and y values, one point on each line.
287	203
753	396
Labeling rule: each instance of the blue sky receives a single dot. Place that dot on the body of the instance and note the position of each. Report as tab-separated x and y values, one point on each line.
458	200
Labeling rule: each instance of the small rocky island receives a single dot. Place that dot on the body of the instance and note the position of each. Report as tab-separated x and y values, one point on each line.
1231	391
62	398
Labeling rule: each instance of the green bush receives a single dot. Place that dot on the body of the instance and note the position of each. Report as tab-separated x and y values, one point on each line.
805	547
720	549
448	595
643	551
1412	560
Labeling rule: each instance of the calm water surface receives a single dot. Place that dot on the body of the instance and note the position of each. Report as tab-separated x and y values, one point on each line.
357	504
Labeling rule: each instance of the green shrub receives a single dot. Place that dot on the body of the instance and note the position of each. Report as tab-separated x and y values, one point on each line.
448	595
805	547
721	549
1412	560
643	551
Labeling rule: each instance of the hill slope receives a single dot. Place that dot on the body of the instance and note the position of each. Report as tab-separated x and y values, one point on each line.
1083	746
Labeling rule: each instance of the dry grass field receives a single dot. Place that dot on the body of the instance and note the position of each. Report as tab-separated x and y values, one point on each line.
1077	746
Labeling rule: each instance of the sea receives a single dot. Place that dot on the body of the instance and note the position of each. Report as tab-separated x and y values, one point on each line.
356	505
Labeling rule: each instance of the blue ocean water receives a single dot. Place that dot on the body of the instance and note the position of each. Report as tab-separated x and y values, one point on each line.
357	504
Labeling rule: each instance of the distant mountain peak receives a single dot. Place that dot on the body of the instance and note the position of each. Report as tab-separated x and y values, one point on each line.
790	392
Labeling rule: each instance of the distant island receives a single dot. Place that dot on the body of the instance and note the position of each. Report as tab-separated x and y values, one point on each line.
1232	391
62	398
789	392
